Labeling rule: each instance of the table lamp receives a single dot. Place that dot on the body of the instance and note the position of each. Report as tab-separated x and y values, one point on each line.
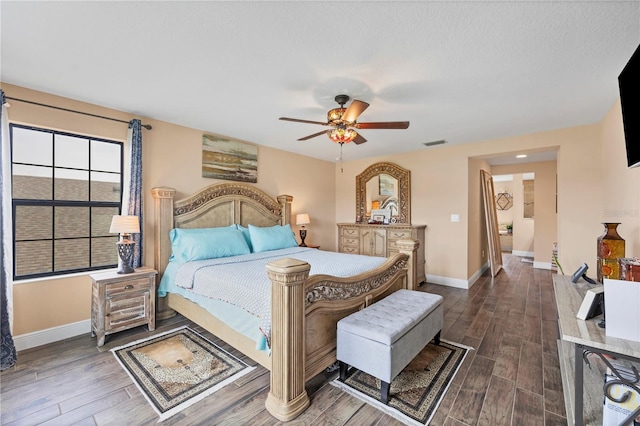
303	219
125	226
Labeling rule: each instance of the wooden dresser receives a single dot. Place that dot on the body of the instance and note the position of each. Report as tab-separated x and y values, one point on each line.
380	240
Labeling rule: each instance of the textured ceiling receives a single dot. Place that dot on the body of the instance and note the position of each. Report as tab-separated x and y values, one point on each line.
459	71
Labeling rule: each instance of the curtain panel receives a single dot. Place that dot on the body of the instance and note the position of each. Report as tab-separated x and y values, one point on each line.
8	354
133	200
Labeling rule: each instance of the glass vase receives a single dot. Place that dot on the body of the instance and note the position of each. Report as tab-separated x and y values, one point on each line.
610	249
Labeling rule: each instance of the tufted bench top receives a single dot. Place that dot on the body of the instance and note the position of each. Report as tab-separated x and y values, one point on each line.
390	318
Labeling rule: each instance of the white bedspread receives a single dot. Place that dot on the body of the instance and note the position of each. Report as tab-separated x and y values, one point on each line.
242	280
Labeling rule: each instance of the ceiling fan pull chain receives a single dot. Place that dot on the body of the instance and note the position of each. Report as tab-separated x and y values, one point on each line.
341	143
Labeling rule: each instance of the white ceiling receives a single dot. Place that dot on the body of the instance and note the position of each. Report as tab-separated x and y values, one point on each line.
459	71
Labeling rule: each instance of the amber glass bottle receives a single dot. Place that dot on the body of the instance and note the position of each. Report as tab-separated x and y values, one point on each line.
610	249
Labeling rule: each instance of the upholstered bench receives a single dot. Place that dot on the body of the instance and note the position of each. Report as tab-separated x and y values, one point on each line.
384	337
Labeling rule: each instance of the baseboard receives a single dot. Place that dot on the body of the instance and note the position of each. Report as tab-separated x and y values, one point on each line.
50	335
457	282
542	265
448	282
522	253
476	276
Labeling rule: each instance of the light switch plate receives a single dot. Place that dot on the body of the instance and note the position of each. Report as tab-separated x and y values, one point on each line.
455	218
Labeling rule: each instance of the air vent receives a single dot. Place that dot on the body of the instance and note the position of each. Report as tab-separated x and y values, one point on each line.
440	142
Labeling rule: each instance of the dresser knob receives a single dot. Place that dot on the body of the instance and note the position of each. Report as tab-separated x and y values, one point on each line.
128	287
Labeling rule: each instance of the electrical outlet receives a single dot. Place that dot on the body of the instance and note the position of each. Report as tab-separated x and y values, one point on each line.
483	254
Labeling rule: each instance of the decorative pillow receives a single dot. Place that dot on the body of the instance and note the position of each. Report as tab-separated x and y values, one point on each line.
272	238
246	235
206	243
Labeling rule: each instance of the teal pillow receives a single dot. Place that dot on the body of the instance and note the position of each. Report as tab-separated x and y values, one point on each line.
206	243
246	235
272	238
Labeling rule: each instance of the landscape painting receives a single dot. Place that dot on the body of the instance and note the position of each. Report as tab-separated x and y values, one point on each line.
229	159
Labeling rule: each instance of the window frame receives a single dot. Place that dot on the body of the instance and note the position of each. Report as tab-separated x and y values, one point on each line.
53	203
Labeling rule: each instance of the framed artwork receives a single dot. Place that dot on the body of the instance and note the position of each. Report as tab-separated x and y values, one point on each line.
229	159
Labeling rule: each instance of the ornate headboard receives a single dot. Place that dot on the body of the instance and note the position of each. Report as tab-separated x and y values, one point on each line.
216	205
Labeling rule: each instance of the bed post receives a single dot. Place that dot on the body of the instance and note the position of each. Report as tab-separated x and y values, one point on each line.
287	397
285	203
163	218
410	247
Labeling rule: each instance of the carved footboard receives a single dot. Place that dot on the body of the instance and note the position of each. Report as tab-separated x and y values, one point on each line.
329	299
304	316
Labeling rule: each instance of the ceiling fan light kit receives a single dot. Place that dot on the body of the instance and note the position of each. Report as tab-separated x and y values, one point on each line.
341	134
343	121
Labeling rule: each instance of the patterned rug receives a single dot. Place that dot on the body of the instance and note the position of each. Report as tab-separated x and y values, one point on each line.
176	369
416	392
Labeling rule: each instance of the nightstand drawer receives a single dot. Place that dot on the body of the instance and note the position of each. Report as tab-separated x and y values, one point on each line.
117	288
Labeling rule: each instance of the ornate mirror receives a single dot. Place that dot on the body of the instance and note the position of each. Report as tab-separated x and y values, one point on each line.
384	186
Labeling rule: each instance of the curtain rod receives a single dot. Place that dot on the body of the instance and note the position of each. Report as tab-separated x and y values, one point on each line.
146	126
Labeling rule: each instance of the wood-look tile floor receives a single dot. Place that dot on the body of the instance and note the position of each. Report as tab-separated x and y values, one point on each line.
511	378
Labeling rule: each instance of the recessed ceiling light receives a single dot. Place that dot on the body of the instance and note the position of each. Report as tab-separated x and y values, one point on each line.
521	156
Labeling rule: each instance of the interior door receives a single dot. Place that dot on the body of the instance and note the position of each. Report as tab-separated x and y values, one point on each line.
491	220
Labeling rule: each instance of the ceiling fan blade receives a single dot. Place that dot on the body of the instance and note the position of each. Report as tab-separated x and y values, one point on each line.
383	125
354	110
304	121
359	139
313	135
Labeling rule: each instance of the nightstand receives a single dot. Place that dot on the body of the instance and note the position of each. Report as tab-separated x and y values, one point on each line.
312	246
122	301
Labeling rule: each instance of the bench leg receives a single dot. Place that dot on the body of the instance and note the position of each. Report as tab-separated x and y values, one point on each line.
436	339
384	392
343	370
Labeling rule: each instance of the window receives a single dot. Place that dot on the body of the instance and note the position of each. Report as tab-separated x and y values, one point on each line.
65	190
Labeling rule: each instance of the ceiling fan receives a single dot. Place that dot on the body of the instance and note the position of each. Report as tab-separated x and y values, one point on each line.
343	122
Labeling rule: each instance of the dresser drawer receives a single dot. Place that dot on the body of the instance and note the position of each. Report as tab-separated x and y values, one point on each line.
392	252
352	250
398	234
350	232
350	241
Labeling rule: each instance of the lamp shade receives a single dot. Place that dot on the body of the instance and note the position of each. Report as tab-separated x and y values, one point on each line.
124	225
302	219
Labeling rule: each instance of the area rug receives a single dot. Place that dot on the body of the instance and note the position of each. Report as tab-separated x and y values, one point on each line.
176	369
417	391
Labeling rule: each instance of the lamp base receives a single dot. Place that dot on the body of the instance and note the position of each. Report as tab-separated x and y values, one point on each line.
303	235
125	251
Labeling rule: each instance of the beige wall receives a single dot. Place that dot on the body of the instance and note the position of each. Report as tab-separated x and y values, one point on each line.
620	185
432	203
582	177
171	157
594	186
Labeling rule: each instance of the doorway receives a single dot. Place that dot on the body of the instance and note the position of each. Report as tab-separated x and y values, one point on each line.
515	205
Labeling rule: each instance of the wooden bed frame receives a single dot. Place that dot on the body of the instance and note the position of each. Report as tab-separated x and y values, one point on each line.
304	309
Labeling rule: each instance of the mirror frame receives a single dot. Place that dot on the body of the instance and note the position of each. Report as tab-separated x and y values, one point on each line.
404	189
